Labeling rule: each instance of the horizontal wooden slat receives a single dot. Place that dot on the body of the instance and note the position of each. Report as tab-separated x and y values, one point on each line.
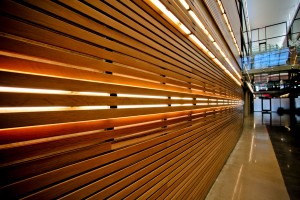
52	117
108	99
101	170
86	82
178	160
30	149
22	173
36	132
25	99
16	6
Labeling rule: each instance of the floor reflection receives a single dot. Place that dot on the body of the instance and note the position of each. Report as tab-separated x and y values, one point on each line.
286	144
252	171
287	151
273	119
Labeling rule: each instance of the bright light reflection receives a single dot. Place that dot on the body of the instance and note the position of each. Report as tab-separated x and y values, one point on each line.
159	5
217	46
232	35
210	55
185	5
91	107
142	96
251	149
221	6
47	91
93	93
204	99
210	37
223	54
197	41
193	15
229	28
185	29
172	17
32	109
226	19
183	98
49	108
31	90
237	181
142	106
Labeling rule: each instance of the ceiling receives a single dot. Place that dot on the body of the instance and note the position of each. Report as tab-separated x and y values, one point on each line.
267	12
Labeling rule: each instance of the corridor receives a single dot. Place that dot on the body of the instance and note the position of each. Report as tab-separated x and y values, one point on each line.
252	170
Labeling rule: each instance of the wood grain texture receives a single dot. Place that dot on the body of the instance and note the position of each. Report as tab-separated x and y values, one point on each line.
60	61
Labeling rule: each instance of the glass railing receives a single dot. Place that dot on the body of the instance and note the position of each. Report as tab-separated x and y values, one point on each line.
273	57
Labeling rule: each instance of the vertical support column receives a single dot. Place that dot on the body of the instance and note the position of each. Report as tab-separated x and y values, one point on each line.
246	103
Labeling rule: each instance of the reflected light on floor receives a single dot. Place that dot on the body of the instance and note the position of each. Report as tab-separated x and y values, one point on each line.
251	149
237	181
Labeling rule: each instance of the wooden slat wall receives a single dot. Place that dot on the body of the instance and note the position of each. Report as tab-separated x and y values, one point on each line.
231	10
106	99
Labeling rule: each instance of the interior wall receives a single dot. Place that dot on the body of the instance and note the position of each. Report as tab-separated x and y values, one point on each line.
105	99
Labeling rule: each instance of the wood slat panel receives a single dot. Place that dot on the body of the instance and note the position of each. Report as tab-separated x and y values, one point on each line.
68	69
49	20
179	164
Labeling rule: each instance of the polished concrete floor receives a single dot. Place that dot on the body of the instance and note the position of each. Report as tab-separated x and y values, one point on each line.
286	145
252	170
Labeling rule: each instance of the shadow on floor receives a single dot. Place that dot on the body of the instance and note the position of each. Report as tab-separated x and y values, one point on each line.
287	149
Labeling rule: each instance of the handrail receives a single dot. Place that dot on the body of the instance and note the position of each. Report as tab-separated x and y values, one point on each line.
273	57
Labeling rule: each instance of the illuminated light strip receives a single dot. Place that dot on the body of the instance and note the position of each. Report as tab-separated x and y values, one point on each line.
185	5
142	96
201	46
185	104
225	18
217	46
93	93
45	61
210	38
228	25
49	108
196	19
198	42
32	109
232	67
192	37
91	107
31	90
185	29
202	99
183	98
221	6
47	91
250	87
171	16
142	106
